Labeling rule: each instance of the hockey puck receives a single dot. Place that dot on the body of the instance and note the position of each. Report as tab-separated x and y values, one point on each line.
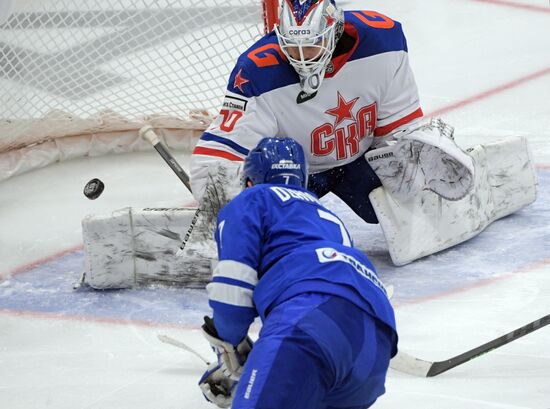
93	189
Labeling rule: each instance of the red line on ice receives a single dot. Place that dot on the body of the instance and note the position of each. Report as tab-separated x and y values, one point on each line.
479	284
28	266
255	327
44	260
490	92
530	7
98	320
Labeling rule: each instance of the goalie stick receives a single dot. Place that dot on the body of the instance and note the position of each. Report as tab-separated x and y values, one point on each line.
406	363
149	134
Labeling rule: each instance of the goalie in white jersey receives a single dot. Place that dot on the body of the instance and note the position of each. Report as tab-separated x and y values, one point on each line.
340	84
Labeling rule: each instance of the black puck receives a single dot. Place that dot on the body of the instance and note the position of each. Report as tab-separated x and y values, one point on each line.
93	189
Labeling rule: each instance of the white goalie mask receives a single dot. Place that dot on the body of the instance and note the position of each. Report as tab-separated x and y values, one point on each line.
307	33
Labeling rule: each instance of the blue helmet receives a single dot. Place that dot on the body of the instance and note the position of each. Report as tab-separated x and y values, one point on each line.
278	161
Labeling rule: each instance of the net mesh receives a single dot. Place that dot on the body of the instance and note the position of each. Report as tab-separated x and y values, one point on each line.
69	67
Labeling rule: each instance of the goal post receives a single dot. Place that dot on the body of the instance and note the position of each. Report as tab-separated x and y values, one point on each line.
80	77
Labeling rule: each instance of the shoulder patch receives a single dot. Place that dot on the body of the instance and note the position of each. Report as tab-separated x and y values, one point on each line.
231	102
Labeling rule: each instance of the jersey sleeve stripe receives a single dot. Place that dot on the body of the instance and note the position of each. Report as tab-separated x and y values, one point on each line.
232	322
386	129
232	281
207	136
237	271
200	150
230	294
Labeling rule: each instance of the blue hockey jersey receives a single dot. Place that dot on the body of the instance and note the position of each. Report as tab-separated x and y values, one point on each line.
277	241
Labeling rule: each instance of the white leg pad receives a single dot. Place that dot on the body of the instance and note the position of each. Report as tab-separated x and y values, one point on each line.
133	247
505	181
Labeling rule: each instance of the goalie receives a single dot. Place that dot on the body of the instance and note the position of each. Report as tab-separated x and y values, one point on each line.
341	85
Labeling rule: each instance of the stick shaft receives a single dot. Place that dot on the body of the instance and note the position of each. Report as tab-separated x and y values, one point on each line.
443	366
148	133
411	365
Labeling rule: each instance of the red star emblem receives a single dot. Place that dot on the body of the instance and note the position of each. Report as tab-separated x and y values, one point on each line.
239	81
329	19
343	110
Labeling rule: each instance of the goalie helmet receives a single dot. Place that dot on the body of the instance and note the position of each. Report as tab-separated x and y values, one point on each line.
307	32
278	161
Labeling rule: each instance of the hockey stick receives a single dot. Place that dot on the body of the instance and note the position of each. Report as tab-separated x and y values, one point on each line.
171	341
149	134
406	363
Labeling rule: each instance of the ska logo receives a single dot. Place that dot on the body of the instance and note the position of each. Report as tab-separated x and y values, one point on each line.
350	126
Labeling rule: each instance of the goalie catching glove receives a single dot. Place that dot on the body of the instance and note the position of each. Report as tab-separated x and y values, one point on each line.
424	158
230	358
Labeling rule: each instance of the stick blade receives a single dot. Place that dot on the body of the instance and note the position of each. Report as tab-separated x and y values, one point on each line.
408	364
174	342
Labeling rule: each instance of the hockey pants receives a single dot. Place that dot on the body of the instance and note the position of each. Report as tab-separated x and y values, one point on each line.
316	351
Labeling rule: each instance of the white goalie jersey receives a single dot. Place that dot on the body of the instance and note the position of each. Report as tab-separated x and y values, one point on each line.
368	93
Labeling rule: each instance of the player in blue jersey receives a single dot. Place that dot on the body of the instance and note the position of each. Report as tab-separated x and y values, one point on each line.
328	329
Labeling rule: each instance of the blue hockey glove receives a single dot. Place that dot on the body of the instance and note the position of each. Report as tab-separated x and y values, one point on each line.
230	358
216	387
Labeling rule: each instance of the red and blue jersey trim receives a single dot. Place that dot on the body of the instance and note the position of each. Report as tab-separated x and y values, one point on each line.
209	137
386	129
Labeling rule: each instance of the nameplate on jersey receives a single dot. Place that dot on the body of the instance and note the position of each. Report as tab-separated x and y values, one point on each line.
286	194
329	255
233	103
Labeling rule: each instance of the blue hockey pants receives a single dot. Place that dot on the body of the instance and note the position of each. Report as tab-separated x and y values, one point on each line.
316	351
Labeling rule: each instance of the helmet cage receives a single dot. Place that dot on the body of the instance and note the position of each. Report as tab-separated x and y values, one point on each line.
313	32
323	43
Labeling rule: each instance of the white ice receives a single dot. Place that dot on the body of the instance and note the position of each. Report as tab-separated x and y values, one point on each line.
468	57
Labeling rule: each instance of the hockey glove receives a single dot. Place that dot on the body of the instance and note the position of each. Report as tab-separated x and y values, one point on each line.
223	184
216	387
230	358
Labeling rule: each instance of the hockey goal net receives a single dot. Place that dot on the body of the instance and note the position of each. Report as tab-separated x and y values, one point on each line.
78	73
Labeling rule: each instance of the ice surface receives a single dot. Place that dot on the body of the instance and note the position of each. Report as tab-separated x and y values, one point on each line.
484	65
